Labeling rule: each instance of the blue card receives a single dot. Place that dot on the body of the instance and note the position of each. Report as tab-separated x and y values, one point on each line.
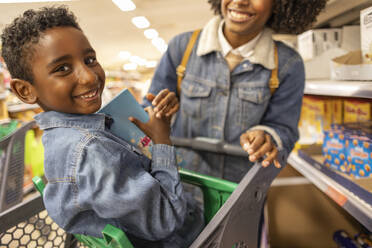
120	108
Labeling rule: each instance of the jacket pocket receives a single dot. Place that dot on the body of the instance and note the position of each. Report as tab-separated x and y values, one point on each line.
253	95
251	105
193	95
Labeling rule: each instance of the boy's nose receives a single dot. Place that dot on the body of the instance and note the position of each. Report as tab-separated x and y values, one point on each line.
86	75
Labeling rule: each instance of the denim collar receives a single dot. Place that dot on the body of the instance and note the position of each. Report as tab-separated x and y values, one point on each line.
53	119
263	51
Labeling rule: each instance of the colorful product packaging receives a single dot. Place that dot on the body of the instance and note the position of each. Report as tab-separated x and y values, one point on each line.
348	148
356	111
334	150
359	155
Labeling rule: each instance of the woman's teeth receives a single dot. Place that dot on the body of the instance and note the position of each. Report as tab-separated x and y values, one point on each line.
238	16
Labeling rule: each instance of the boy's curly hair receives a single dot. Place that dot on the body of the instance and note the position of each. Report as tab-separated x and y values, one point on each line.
19	36
289	16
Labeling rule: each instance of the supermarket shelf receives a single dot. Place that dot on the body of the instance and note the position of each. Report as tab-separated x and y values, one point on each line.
359	89
341	12
22	107
356	200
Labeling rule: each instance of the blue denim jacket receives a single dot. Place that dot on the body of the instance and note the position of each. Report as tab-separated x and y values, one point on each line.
222	105
96	178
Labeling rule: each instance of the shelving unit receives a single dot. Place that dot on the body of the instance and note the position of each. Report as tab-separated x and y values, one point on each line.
355	196
359	89
341	12
356	200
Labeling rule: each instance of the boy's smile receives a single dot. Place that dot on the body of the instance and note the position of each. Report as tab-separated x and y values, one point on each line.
244	19
67	76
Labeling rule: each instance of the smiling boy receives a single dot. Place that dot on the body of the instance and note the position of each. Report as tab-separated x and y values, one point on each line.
94	177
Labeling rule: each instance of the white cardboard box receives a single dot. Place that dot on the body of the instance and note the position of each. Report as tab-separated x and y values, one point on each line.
366	34
350	40
350	67
318	67
314	42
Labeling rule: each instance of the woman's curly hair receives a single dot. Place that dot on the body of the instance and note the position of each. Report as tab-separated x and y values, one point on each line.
19	37
289	16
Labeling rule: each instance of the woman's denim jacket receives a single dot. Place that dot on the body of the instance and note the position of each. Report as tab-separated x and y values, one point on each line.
222	105
95	178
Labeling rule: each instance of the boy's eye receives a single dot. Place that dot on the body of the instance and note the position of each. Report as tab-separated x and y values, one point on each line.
62	68
91	60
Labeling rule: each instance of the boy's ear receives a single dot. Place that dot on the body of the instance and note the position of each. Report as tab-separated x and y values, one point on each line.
24	90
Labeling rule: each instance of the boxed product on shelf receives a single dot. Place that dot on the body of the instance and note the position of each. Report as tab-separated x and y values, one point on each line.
356	111
317	115
314	42
334	150
337	111
351	38
317	67
348	148
358	153
366	34
350	67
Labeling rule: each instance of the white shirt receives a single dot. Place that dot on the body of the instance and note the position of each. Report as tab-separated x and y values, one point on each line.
245	50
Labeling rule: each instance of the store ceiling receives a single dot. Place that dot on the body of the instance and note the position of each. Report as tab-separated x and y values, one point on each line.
110	30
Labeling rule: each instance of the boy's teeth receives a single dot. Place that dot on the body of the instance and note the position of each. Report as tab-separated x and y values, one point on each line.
89	95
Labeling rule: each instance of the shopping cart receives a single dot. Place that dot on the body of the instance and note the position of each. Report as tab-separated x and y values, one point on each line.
215	192
12	166
233	218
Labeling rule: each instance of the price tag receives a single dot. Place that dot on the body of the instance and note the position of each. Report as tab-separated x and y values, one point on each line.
339	198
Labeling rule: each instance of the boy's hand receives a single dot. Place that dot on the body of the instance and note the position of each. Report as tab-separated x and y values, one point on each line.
165	103
158	129
258	144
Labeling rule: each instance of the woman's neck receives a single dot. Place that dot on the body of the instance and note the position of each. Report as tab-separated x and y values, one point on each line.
236	39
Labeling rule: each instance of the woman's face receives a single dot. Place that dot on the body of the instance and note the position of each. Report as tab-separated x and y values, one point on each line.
245	18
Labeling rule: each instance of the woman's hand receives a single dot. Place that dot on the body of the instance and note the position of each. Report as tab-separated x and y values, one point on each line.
165	103
259	144
158	129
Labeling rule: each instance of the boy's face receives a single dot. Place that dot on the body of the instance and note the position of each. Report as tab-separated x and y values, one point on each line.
67	76
245	17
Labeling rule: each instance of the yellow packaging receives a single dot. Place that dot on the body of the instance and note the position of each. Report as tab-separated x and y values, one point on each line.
337	111
356	111
312	120
3	109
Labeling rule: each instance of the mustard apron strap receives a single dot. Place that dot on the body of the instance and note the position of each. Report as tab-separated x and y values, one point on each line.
274	80
182	67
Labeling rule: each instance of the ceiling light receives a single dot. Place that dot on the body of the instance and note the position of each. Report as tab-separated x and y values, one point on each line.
160	44
138	60
150	33
151	64
31	1
130	66
162	48
157	41
125	5
124	55
140	22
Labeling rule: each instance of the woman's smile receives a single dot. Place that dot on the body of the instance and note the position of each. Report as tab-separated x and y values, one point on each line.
239	16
